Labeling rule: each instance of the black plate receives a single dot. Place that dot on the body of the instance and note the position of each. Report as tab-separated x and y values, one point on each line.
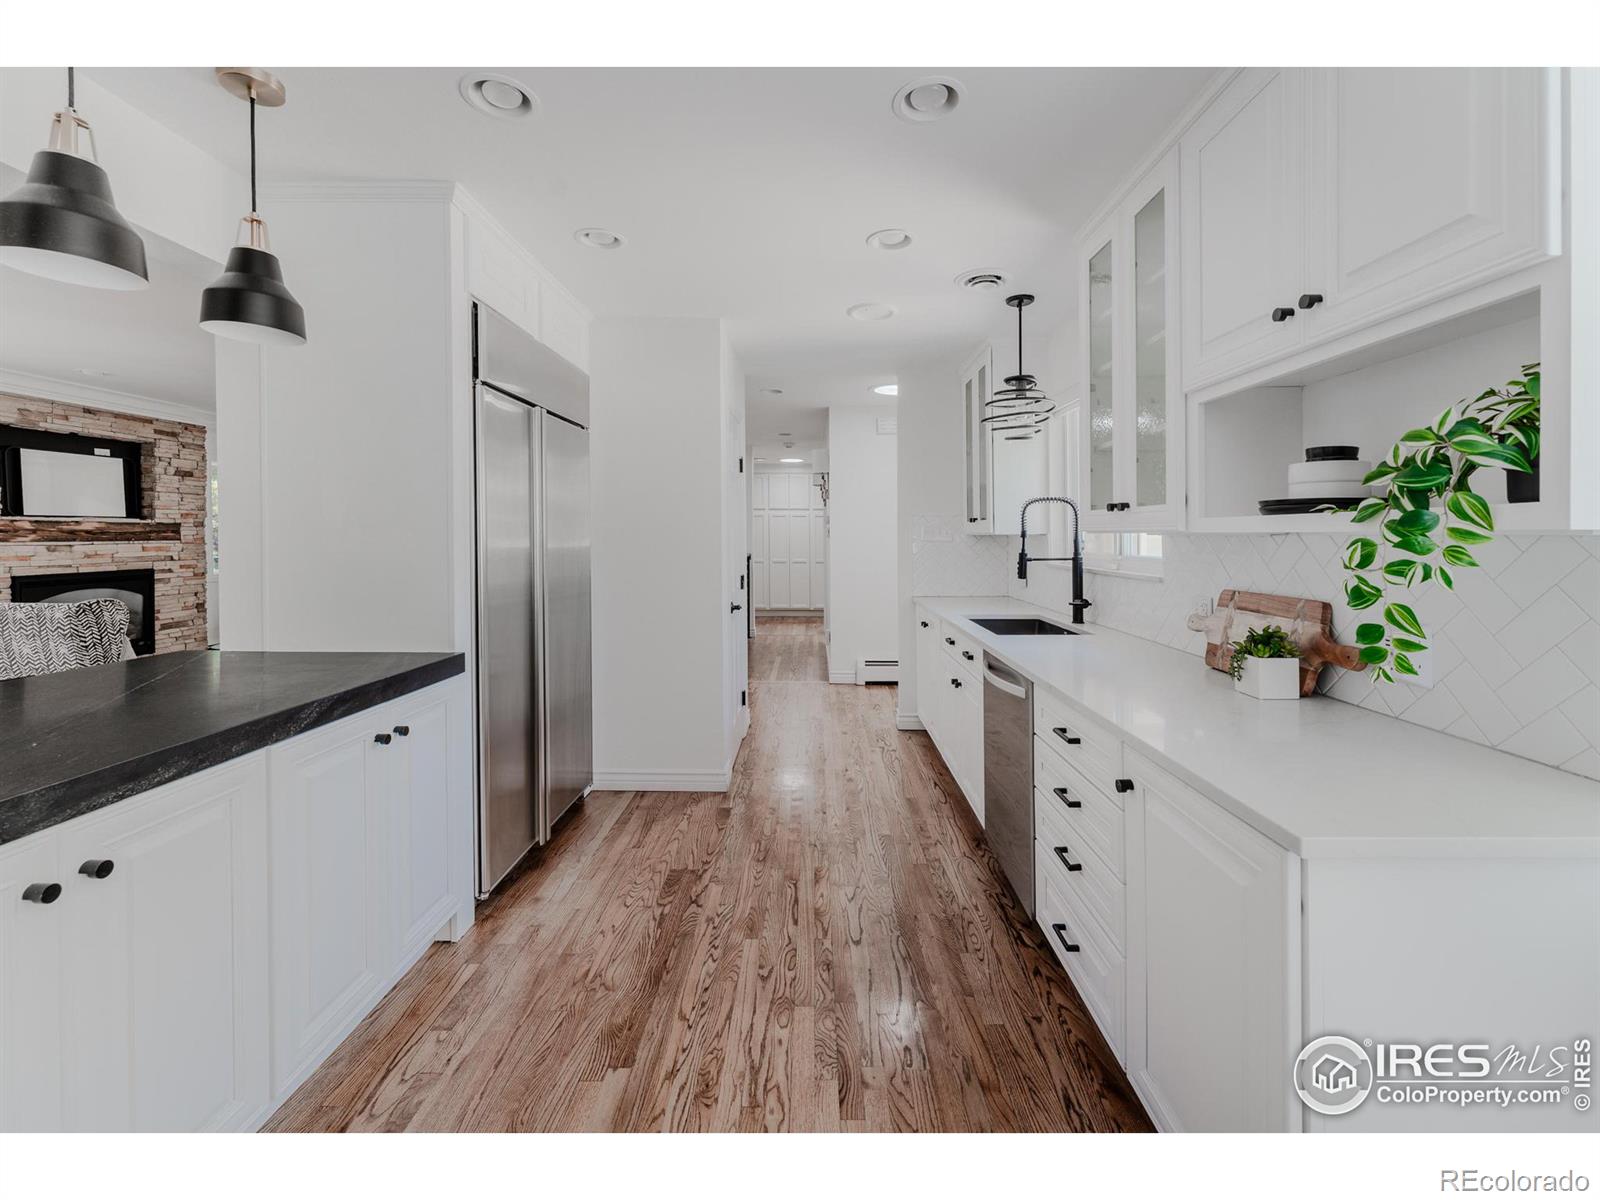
1283	508
1332	453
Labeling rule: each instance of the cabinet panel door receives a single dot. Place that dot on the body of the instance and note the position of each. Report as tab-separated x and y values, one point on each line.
819	553
1213	933
30	988
419	816
330	941
497	274
966	710
1424	182
1243	220
928	663
778	556
166	977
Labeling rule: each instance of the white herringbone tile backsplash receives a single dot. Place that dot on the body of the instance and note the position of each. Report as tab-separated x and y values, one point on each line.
1515	648
946	560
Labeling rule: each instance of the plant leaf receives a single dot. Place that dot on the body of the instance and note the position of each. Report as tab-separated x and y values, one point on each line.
1367	510
1402	570
1465	533
1424	475
1373	654
1416	543
1457	556
1498	455
1360	593
1360	554
1419	435
1418	520
1403	665
1471	508
1405	643
1369	633
1380	472
1402	618
1444	578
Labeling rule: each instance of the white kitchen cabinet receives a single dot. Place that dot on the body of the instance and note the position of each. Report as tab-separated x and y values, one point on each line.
30	985
333	940
1003	469
964	713
1213	962
503	275
977	385
421	802
928	676
1131	450
165	981
950	704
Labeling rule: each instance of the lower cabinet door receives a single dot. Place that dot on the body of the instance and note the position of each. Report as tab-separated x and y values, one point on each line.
332	928
1213	962
164	916
966	720
419	815
928	677
30	985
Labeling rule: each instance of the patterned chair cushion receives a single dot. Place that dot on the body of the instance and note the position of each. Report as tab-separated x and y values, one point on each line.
37	639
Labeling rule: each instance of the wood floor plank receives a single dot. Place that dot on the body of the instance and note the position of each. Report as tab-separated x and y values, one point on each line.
827	946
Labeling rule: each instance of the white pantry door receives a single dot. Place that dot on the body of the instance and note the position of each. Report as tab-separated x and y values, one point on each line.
787	541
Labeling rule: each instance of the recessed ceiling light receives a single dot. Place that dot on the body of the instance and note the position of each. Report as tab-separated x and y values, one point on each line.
869	312
600	239
889	239
887	389
927	99
980	281
791	460
498	95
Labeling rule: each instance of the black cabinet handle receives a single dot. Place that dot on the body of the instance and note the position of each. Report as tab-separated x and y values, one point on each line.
403	730
97	868
1061	853
1061	795
41	893
1120	506
955	683
924	624
1066	735
733	608
1310	300
1281	315
949	641
1124	785
383	739
967	654
1060	931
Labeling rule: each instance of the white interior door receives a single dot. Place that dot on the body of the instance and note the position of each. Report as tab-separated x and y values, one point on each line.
788	541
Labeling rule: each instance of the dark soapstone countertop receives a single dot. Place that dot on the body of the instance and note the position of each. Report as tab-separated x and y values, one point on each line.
76	741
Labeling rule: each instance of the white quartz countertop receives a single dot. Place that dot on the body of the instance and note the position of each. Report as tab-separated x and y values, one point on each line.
1320	777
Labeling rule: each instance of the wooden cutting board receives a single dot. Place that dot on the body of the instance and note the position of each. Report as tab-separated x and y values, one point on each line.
1238	612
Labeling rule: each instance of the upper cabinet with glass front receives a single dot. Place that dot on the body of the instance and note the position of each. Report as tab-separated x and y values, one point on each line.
1131	444
1005	465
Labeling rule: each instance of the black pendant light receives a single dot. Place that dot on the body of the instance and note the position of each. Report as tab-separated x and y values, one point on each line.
62	222
248	301
1019	409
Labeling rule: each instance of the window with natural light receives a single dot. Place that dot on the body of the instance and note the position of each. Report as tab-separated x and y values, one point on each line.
1123	553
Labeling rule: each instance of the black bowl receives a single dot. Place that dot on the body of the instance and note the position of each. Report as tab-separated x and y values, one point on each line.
1332	453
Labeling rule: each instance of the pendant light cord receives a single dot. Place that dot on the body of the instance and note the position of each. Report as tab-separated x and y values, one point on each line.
72	88
1019	339
252	148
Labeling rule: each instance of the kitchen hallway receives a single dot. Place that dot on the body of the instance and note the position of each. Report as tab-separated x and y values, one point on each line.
828	946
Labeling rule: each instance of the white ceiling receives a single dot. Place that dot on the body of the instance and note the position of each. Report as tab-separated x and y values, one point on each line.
742	193
145	343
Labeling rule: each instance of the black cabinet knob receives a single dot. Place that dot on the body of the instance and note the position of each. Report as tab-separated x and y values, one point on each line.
97	868
1066	735
1310	300
1060	931
955	683
924	624
403	730
1281	315
733	608
42	893
967	654
1061	853
383	739
1124	785
949	641
1061	795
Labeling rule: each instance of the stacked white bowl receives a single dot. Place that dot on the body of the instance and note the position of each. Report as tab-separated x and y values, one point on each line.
1329	473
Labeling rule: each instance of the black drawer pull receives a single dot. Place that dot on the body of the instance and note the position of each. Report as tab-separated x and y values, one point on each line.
1280	315
949	641
967	654
955	683
42	893
383	739
1061	853
97	868
924	624
403	730
1124	785
1310	300
1061	795
1060	931
1066	735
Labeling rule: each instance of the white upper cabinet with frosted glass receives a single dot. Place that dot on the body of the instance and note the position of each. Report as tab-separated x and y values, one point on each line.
1319	202
1131	457
1004	467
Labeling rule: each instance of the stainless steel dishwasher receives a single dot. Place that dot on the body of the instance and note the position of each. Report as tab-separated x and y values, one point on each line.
1008	773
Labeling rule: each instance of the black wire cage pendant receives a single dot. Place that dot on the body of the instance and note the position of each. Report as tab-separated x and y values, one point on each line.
249	302
62	222
1018	410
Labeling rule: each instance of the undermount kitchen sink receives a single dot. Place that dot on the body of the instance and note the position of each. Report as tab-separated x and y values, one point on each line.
1012	626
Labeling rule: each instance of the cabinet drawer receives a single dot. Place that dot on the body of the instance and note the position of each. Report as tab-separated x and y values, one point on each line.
1081	741
1092	813
961	648
1080	870
1092	963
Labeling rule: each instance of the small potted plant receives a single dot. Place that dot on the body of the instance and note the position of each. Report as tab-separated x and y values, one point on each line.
1266	665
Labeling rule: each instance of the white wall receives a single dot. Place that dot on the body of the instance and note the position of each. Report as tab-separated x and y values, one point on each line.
735	473
863	578
661	598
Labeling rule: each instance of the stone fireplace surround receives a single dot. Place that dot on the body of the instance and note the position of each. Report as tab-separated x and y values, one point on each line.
170	540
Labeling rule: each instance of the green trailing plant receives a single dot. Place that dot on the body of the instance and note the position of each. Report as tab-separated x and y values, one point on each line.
1271	642
1416	543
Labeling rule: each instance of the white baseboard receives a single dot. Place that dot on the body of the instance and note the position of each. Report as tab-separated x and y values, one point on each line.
908	721
841	676
629	780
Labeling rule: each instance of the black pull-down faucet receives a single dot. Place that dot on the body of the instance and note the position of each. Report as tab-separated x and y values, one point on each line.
1076	557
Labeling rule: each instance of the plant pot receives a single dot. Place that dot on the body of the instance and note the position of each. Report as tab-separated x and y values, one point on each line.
1269	679
1522	487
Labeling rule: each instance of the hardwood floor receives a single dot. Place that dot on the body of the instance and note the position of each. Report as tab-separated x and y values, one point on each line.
828	946
789	649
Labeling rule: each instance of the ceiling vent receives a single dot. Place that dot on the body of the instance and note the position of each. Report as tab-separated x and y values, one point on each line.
981	281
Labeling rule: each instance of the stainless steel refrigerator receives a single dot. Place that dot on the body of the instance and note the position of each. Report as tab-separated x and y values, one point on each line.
534	702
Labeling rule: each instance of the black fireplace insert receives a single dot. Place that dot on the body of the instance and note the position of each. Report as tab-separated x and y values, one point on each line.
135	588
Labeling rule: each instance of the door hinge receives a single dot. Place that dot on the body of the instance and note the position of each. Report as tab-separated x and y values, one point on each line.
743	701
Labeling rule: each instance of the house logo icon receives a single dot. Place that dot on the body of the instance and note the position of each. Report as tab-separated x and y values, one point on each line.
1333	1075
